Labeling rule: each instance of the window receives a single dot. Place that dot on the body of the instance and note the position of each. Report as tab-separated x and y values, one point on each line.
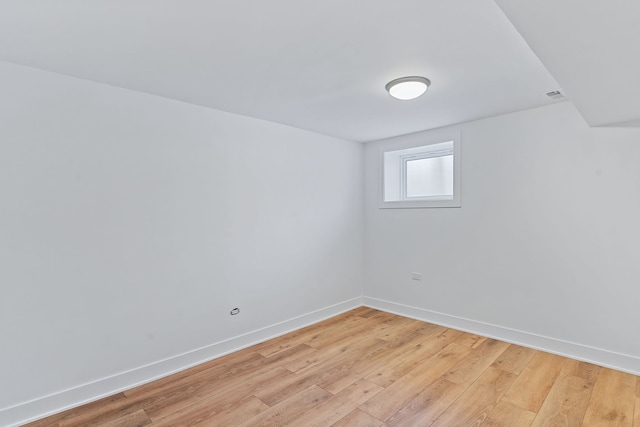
421	176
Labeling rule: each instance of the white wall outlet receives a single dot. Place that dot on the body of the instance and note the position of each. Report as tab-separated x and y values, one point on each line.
416	276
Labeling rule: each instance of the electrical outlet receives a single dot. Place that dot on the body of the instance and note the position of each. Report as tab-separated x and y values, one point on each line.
416	276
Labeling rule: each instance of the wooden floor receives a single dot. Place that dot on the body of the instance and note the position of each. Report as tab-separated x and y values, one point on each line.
370	368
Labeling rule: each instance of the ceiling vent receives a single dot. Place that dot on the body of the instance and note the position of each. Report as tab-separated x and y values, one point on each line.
555	94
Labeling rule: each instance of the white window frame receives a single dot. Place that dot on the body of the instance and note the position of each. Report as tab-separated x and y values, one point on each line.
415	141
419	156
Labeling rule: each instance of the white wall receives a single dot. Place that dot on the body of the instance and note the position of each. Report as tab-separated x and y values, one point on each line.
130	225
545	249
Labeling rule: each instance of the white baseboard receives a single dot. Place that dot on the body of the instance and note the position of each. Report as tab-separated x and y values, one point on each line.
85	393
66	399
597	356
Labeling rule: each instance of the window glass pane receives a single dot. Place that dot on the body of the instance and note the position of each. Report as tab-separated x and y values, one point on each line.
430	177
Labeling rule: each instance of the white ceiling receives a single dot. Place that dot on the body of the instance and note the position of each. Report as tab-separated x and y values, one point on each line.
592	48
316	65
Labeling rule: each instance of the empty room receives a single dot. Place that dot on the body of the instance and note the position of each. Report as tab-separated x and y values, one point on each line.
328	213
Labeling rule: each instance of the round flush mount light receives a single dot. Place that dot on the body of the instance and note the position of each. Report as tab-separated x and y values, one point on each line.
406	88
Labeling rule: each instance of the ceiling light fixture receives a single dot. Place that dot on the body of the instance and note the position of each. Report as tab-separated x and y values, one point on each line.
406	88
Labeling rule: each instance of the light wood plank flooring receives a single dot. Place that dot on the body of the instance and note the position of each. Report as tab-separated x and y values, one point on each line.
370	368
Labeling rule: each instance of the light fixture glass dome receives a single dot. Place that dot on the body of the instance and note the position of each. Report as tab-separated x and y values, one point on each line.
406	88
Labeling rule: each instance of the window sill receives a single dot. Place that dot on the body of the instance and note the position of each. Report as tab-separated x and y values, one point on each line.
422	204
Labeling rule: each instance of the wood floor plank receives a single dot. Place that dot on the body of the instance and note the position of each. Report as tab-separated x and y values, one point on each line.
84	412
370	368
352	328
300	336
42	423
341	349
636	414
168	396
318	374
207	409
293	353
514	359
138	418
213	397
470	340
124	415
427	406
409	326
533	385
235	415
226	365
478	360
399	366
364	311
398	394
290	409
612	400
384	330
345	352
566	403
358	418
119	415
337	406
370	362
478	401
389	317
580	369
430	329
569	396
360	391
508	415
325	414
